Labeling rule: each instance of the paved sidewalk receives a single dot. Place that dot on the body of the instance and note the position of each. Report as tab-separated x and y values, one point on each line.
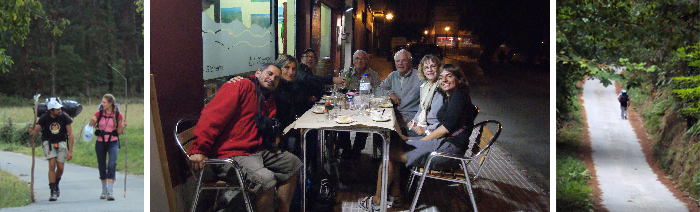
80	187
501	186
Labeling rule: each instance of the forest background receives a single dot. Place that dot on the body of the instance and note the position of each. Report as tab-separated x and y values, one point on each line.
658	43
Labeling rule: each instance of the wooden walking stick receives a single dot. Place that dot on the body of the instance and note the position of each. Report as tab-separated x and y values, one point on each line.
80	135
31	143
126	110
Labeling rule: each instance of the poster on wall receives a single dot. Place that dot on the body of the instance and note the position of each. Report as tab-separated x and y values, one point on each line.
237	36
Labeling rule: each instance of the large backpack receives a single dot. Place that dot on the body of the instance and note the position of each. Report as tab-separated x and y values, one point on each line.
70	107
624	98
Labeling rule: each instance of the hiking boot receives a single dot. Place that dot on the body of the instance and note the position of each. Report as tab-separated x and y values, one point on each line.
104	193
110	196
58	191
53	197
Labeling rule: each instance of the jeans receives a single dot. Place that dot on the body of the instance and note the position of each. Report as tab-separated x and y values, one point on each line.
107	170
624	111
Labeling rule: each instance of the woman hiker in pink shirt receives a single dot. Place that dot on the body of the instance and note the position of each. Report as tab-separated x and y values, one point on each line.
108	130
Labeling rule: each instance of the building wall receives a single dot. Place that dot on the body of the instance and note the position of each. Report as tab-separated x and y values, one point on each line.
176	59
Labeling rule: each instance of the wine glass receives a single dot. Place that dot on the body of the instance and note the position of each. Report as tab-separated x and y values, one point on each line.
329	108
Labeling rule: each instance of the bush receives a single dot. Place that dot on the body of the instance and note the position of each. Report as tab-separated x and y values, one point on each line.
573	191
7	133
14	100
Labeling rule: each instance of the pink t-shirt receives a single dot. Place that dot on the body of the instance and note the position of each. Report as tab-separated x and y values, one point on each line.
107	125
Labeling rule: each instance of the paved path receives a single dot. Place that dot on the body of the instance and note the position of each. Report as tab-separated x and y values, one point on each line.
80	187
626	180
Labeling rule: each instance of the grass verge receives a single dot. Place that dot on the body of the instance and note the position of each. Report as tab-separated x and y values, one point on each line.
84	152
15	192
573	190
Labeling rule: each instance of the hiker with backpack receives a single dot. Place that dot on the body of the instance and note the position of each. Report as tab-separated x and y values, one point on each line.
624	99
108	130
55	128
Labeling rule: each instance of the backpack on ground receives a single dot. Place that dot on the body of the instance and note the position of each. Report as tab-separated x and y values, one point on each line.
624	98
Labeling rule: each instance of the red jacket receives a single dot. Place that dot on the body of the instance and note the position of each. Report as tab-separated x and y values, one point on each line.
226	127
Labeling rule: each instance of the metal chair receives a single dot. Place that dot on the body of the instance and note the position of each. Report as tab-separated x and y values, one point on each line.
484	134
184	135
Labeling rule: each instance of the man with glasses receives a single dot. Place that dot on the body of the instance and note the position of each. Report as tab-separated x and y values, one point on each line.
313	84
360	62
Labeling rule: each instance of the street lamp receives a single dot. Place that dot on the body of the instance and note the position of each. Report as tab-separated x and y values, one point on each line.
447	30
425	32
389	16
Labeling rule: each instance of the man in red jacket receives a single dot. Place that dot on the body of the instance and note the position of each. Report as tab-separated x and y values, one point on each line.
226	129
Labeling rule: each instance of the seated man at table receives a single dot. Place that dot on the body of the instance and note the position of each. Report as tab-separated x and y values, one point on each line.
227	129
360	62
403	88
313	84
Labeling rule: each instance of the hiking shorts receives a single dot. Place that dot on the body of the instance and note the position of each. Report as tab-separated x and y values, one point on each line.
263	171
60	153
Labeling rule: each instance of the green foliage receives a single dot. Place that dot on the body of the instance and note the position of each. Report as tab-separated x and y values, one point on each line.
16	135
567	99
74	62
16	17
573	191
14	100
15	192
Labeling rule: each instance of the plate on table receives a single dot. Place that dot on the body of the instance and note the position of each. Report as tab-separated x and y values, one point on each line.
318	109
380	118
326	97
344	119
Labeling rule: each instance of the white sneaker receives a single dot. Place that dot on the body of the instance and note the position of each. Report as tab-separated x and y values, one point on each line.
367	205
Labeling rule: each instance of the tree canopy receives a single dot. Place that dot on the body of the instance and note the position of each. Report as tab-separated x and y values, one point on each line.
65	47
641	35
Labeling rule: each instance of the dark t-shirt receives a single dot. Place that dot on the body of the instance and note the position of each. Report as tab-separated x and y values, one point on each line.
457	112
290	98
54	129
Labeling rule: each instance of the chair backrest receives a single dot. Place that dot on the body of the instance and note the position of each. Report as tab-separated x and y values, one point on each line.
184	133
486	133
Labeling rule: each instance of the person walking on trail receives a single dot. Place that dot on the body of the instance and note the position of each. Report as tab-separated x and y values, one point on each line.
624	99
55	127
108	130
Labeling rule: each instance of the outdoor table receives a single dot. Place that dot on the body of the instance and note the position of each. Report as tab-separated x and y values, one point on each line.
362	123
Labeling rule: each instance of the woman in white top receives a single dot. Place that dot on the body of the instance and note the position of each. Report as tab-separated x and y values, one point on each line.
425	120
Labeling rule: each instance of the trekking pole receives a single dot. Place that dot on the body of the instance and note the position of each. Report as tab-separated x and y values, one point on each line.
80	135
126	110
36	105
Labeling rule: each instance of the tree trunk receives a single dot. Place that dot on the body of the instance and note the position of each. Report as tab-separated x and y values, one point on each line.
53	70
129	43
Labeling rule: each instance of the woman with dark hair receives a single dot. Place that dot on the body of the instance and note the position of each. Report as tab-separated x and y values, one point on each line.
110	124
456	117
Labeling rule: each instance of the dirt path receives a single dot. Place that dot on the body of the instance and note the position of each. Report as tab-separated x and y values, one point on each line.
80	187
625	179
